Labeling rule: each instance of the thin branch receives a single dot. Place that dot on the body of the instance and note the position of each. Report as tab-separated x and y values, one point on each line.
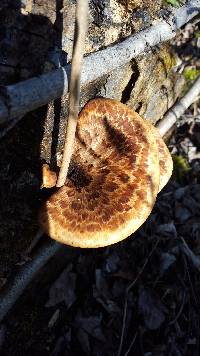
180	310
131	344
36	239
175	112
74	89
18	99
15	286
190	282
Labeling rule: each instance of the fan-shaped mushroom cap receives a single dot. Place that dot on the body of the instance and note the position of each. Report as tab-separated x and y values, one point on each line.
112	182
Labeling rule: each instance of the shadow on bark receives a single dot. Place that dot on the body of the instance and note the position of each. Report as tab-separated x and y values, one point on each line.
28	44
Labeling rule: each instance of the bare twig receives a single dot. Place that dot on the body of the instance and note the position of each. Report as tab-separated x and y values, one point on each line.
18	99
190	255
180	310
179	108
190	282
131	344
126	297
74	89
34	242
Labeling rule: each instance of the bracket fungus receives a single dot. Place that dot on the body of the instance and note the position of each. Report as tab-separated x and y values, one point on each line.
119	165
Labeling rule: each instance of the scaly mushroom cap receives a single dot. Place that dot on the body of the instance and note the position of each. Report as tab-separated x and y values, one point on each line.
112	182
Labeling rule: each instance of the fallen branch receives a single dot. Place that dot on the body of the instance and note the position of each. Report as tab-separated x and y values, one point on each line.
179	108
15	287
16	100
74	89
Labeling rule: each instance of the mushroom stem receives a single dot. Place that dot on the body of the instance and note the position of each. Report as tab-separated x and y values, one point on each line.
74	89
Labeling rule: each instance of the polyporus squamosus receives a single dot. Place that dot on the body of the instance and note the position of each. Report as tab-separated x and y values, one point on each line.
119	165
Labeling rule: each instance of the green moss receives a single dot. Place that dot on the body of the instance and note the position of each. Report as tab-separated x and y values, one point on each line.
197	34
181	167
191	74
165	60
169	59
175	3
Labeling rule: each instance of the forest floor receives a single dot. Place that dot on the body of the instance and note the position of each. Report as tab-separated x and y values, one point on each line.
138	297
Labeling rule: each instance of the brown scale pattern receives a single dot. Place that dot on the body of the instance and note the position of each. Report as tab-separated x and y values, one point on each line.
113	178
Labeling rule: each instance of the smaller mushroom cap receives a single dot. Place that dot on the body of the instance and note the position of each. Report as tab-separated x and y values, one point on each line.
48	177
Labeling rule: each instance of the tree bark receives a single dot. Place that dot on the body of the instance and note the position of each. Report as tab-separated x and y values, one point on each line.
17	100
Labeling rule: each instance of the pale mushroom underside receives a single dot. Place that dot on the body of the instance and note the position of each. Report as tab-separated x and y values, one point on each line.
119	165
